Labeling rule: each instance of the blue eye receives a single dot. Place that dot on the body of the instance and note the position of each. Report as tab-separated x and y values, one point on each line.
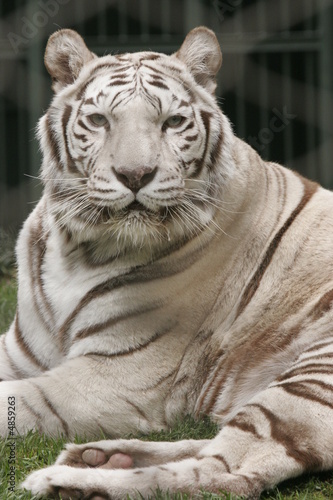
174	121
98	120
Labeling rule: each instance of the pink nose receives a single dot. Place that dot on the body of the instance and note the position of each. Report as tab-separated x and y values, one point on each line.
135	178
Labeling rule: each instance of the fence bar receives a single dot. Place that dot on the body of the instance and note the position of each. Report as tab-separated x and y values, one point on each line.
192	14
240	77
122	13
165	19
144	20
263	79
326	78
102	21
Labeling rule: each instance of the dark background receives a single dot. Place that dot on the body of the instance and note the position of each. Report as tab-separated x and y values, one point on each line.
275	84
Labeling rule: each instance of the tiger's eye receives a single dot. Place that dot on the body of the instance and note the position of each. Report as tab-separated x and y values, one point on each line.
98	120
174	121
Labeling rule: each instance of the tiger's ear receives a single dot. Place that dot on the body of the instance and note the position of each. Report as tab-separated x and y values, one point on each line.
202	54
65	55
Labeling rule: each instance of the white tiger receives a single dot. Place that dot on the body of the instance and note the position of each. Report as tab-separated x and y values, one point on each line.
168	270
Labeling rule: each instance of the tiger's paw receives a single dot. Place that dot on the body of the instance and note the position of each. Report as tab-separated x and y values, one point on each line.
91	455
65	481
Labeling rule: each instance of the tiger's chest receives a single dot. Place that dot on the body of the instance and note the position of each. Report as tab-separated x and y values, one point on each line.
119	307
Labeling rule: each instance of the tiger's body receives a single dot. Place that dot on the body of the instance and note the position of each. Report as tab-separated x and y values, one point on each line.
167	271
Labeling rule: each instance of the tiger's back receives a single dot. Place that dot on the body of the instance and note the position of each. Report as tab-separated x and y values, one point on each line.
169	270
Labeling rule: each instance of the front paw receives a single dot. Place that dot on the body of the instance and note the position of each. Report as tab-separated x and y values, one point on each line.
44	481
65	481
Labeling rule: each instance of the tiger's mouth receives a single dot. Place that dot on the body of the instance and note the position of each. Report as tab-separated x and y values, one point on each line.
136	206
139	209
135	211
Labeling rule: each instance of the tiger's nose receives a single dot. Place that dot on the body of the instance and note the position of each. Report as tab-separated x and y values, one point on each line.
135	178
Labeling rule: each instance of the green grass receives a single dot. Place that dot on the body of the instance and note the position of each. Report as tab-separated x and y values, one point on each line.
35	451
8	290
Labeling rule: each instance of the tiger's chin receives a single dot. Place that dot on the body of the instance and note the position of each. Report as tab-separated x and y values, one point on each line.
136	232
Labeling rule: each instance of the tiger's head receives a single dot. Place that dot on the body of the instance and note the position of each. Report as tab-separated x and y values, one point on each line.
135	147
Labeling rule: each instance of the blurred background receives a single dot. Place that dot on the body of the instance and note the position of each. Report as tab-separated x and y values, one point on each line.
275	85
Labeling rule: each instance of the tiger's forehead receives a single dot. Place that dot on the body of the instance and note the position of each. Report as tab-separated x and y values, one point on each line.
150	75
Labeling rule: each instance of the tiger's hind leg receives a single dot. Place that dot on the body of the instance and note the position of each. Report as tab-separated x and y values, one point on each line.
282	432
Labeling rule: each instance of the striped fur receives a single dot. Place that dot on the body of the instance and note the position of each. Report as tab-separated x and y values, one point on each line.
168	270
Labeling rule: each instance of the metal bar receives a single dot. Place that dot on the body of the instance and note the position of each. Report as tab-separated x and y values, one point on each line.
287	86
193	14
286	92
326	79
122	17
3	147
102	26
311	105
240	78
262	21
165	19
4	165
79	16
144	20
35	102
263	82
285	14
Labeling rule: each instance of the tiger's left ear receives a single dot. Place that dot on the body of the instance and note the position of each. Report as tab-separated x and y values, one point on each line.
65	55
202	54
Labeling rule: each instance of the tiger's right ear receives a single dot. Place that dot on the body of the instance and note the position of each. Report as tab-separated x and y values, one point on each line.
65	55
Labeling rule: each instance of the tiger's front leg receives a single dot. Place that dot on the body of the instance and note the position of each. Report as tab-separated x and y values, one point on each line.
74	399
281	433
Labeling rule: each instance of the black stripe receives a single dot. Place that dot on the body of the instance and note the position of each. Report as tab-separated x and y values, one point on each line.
199	163
221	459
136	408
137	275
122	74
97	328
25	348
316	347
18	371
191	138
64	122
214	154
303	390
88	101
51	407
37	249
83	125
52	142
158	84
323	306
241	422
80	137
37	416
118	83
188	127
309	189
126	97
313	369
93	75
150	57
134	349
302	453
